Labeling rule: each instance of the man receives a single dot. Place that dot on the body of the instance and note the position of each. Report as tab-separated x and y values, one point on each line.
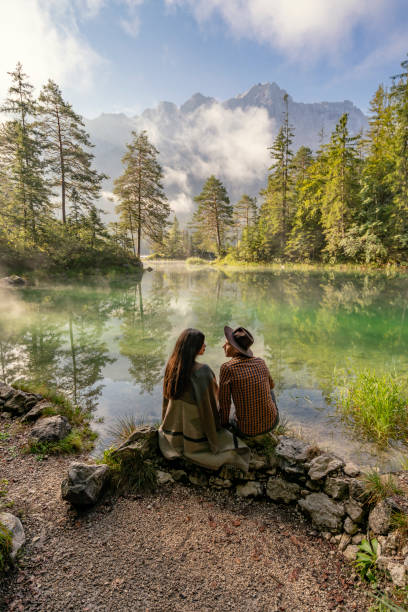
246	379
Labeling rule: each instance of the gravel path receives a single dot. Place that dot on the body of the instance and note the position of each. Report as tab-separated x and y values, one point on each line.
178	549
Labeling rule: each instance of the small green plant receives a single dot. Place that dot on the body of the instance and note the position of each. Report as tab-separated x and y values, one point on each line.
404	462
384	604
379	486
128	474
282	428
4	435
3	487
375	405
366	560
399	522
123	427
5	548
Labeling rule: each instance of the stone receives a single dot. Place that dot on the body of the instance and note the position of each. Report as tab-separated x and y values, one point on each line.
350	552
180	476
336	487
50	429
324	512
230	472
250	489
389	544
199	480
6	392
356	489
350	527
313	486
84	483
406	563
354	510
142	443
13	281
293	450
398	574
358	538
379	519
280	490
163	477
37	411
220	483
297	470
14	526
350	469
257	462
20	403
345	540
383	561
324	464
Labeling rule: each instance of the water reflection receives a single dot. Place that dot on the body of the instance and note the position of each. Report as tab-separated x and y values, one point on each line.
106	344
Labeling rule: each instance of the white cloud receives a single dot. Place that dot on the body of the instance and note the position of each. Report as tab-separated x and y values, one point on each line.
181	203
293	26
131	26
44	36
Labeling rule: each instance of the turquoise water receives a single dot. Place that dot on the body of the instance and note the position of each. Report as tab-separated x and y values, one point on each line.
105	343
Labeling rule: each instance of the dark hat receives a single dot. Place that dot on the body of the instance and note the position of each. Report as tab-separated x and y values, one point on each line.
240	338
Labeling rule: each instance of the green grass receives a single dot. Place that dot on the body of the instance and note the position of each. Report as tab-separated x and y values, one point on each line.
129	474
399	522
77	441
375	405
197	261
123	427
4	435
5	548
74	413
379	486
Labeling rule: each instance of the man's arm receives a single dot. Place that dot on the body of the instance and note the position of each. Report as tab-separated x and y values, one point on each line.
224	395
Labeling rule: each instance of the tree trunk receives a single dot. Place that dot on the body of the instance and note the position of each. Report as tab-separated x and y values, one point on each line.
62	165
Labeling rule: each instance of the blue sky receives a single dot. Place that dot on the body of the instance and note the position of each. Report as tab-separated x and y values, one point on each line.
126	55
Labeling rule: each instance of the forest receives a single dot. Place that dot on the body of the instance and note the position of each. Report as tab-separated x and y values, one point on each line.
346	202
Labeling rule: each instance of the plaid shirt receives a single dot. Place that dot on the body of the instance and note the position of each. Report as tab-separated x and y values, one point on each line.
248	382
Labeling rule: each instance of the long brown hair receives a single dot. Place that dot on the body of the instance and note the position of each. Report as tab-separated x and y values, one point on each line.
180	365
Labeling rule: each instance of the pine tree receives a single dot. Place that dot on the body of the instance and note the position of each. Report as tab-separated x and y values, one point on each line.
143	206
213	216
20	157
340	198
399	97
245	213
277	208
173	246
68	159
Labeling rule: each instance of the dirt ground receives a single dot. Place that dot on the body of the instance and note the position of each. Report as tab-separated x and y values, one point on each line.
178	549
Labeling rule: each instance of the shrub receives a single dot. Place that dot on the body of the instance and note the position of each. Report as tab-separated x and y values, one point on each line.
379	486
129	474
123	427
375	405
197	261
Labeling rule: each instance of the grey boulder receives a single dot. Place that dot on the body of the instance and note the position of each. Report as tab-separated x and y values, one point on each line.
280	490
324	464
379	519
14	526
324	512
84	483
50	429
336	487
20	402
141	444
250	489
37	411
293	450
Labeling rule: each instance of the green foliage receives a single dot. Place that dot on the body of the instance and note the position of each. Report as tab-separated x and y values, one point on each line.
399	521
213	217
129	474
197	261
375	405
5	548
143	207
366	560
73	444
123	427
379	486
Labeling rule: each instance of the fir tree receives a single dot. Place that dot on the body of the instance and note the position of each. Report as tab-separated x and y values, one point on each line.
20	157
277	208
213	216
68	159
245	213
143	206
173	247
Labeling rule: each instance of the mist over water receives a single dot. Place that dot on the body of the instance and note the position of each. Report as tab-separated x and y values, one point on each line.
105	343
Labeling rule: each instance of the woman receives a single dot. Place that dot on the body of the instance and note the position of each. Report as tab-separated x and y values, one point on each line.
190	424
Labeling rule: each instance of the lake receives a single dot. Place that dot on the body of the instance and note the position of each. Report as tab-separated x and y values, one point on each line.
105	341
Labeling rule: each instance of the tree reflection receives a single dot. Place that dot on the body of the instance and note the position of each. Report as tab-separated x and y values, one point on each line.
145	329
